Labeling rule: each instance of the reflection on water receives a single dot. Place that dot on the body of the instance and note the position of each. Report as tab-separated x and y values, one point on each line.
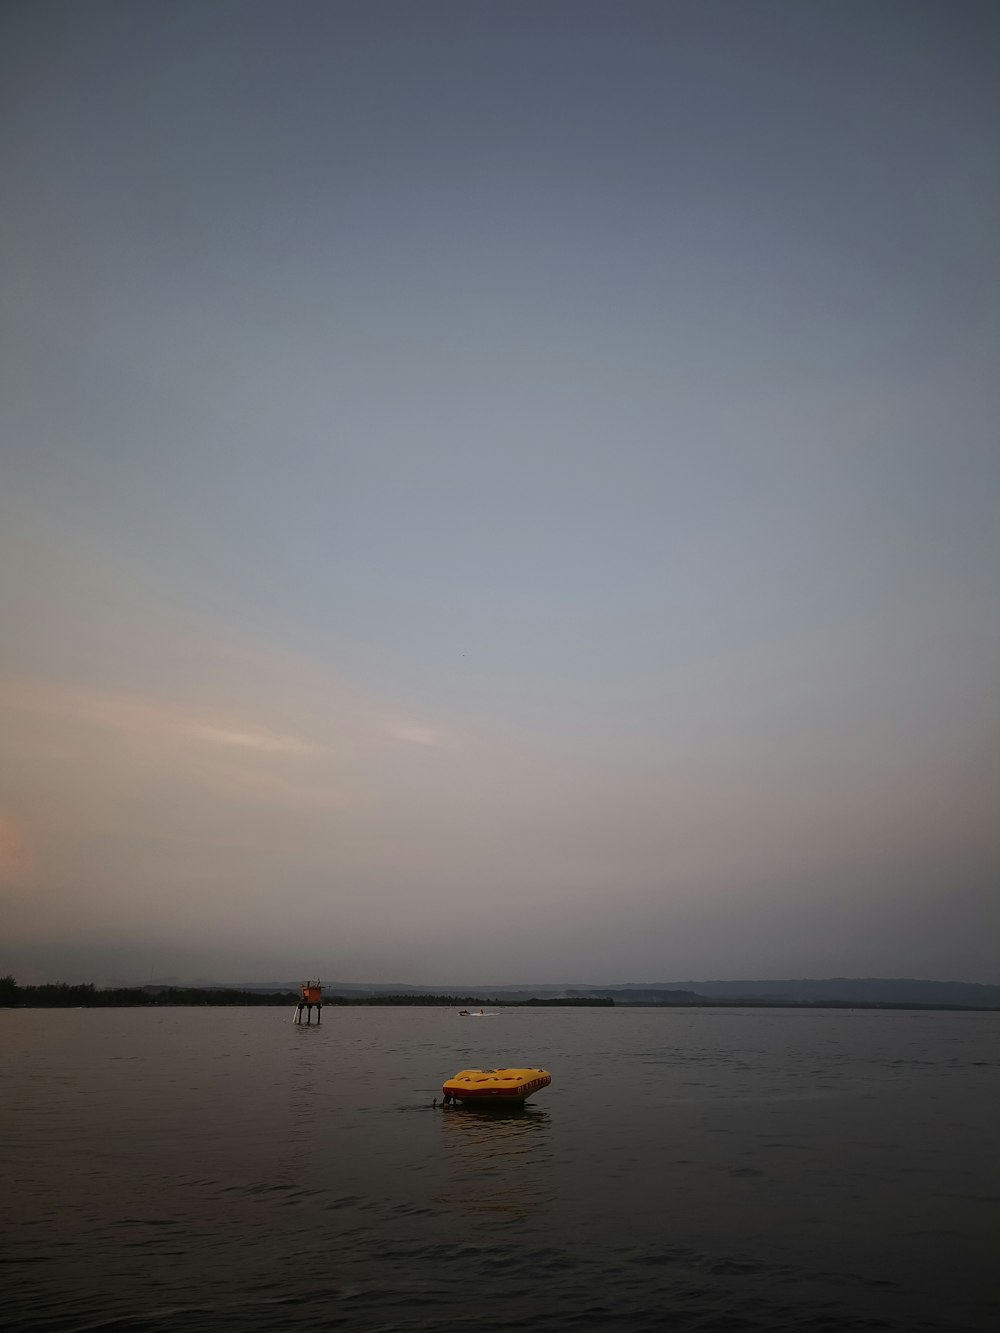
494	1135
302	1099
499	1154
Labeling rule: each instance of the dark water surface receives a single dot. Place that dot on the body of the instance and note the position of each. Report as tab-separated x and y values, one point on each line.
755	1170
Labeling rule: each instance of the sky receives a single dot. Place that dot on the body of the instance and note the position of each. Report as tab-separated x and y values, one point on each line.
499	491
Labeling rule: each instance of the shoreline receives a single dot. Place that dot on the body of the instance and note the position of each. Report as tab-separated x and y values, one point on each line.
451	1002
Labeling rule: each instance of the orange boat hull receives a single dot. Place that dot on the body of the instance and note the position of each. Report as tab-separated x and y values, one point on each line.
495	1085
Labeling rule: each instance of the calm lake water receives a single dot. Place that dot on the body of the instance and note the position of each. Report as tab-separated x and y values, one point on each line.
721	1170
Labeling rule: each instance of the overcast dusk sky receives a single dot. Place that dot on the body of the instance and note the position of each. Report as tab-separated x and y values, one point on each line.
500	491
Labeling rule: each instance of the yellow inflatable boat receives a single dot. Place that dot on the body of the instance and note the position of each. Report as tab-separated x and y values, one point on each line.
495	1085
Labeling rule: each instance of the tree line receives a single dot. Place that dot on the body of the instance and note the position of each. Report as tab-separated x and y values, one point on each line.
61	995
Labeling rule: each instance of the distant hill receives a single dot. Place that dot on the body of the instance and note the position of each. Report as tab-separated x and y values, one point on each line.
848	990
868	990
